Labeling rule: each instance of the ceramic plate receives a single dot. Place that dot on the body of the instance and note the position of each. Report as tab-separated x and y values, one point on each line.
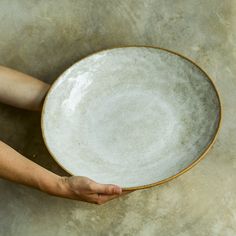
132	116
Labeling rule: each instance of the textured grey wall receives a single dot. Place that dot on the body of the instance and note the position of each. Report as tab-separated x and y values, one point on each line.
43	38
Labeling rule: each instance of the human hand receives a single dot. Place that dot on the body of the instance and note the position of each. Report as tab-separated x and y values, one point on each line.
84	189
17	168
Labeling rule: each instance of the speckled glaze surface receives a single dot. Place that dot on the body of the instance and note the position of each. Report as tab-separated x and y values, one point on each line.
131	116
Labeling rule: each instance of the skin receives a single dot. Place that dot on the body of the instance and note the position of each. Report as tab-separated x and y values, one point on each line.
14	91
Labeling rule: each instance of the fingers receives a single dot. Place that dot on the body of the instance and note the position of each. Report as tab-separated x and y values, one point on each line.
108	189
85	189
100	198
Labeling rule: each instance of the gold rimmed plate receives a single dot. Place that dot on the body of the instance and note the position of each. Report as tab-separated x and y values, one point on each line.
133	116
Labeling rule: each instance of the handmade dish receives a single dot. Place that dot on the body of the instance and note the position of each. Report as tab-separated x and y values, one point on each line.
133	116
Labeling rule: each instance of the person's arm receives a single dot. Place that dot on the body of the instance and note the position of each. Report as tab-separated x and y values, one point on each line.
26	92
21	90
17	168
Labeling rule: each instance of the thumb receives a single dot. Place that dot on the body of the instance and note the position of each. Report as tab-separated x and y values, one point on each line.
106	188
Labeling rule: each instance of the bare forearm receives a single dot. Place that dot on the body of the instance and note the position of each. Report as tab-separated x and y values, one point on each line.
21	90
17	168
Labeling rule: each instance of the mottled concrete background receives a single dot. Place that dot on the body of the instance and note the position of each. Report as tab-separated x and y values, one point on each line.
43	38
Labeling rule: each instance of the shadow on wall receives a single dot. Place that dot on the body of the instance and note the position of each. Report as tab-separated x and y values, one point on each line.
21	130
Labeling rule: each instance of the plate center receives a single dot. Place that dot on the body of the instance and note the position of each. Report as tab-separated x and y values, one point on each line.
129	124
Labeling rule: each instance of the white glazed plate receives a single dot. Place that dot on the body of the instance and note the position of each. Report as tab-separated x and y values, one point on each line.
132	116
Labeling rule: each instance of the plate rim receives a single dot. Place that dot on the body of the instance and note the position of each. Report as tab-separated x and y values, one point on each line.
191	165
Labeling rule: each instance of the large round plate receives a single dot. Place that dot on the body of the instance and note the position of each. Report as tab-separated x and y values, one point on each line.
132	116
